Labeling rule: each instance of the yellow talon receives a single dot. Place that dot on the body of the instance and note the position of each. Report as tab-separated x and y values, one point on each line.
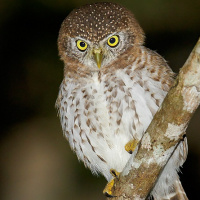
108	189
114	173
131	145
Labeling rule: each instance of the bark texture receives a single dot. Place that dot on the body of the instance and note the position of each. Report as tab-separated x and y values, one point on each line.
166	130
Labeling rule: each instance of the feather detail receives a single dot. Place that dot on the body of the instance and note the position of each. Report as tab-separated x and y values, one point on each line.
177	193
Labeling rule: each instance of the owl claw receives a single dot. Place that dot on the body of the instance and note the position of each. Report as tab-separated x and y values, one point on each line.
114	173
131	145
108	189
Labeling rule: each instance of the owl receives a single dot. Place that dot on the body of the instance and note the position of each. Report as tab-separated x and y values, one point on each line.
112	87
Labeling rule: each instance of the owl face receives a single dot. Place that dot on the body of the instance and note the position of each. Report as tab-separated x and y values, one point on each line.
101	53
95	35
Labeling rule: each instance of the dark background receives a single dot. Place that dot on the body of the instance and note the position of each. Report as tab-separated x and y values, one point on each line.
36	162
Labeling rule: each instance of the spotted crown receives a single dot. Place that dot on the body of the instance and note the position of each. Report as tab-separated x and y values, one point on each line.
95	21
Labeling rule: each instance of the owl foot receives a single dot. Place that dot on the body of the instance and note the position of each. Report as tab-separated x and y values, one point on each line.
114	173
131	145
108	189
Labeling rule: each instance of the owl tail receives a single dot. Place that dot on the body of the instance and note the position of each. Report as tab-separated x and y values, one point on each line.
177	193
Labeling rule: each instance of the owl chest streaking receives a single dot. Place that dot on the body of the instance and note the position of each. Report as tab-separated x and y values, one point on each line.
112	88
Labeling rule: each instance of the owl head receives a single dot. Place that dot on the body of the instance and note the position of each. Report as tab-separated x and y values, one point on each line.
93	36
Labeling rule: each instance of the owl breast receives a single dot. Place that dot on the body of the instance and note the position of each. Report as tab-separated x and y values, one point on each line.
100	114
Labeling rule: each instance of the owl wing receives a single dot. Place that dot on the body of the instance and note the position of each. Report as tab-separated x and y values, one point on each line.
177	193
169	186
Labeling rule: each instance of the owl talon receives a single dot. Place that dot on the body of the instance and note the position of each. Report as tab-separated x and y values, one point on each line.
114	173
108	189
131	145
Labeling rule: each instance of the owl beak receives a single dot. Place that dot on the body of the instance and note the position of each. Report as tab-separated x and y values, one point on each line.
98	57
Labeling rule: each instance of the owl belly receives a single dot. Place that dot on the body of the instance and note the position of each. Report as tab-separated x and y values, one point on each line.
99	121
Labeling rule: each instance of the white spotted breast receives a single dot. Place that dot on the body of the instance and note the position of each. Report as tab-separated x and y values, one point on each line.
100	114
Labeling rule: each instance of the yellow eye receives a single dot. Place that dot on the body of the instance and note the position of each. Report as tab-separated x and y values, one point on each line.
82	46
113	41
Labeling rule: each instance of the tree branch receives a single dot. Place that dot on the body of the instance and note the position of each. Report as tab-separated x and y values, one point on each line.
163	134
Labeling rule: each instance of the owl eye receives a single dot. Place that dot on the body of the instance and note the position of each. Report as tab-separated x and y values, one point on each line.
82	46
113	41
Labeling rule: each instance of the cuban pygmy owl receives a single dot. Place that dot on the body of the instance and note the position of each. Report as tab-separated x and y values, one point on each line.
112	87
